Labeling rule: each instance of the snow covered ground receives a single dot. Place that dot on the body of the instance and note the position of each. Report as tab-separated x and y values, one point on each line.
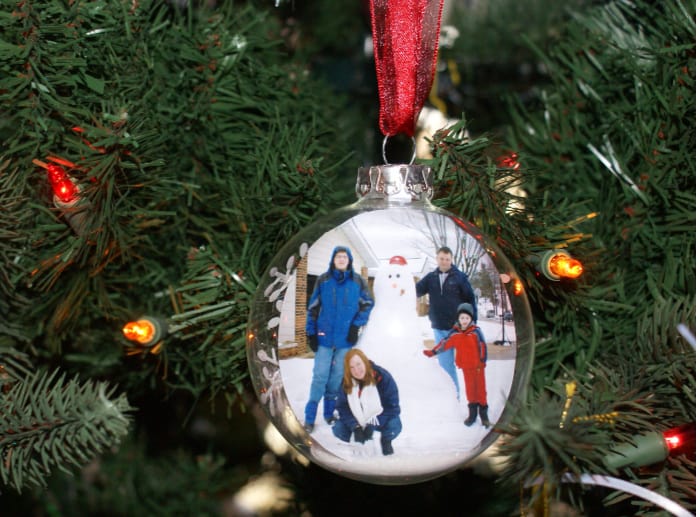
434	439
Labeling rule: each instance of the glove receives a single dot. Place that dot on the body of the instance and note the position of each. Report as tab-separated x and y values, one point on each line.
429	353
353	334
369	431
359	435
313	342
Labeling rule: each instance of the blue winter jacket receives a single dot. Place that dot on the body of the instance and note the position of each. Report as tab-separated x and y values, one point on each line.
444	300
388	395
339	300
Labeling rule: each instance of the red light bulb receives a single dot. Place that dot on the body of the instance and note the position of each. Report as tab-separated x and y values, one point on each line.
63	187
673	441
55	173
65	190
681	439
509	161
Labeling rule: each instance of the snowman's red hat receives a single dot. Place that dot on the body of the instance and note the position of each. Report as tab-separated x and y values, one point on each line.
398	260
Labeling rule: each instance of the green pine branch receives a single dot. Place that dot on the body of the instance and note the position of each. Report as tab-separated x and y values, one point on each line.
14	365
187	128
205	348
198	131
135	481
606	172
51	422
615	137
555	434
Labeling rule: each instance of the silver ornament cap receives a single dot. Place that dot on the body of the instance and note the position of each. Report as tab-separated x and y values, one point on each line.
402	183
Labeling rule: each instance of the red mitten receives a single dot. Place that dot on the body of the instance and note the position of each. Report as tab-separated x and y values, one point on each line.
428	353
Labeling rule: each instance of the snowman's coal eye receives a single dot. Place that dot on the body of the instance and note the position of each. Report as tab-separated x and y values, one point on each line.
398	275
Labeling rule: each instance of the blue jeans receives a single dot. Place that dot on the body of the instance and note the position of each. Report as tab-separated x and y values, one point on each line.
447	358
325	381
389	431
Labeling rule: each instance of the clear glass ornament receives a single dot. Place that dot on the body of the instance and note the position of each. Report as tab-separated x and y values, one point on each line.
393	233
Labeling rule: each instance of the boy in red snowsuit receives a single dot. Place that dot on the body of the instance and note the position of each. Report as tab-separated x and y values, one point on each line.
471	359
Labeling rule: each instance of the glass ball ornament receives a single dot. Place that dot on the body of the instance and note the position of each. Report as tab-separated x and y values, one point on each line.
393	235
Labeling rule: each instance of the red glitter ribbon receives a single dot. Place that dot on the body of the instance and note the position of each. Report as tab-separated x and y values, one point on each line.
405	34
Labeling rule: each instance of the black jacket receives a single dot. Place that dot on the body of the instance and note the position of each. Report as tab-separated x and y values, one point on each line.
444	300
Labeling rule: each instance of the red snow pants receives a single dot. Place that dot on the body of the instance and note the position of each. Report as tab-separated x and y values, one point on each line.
475	385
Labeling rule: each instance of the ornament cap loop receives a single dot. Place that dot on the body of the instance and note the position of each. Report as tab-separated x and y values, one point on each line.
413	155
401	183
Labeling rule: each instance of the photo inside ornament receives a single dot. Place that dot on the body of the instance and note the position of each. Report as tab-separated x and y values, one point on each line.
360	294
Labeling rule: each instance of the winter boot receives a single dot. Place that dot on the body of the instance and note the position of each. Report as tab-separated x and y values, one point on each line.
472	414
387	449
484	415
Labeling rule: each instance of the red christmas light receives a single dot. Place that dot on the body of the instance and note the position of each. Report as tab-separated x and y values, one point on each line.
55	172
674	441
63	187
681	439
508	161
65	190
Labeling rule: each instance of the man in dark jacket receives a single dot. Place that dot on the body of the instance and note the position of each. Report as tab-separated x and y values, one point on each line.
339	306
447	287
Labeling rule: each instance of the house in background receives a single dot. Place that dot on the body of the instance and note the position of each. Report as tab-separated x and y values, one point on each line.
372	244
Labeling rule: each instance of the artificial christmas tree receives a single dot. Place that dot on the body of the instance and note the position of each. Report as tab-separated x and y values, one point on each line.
200	145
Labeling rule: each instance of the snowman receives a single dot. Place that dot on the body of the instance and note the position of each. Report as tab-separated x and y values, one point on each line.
394	339
393	329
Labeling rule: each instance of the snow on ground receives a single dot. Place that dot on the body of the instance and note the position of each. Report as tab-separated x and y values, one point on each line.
434	439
